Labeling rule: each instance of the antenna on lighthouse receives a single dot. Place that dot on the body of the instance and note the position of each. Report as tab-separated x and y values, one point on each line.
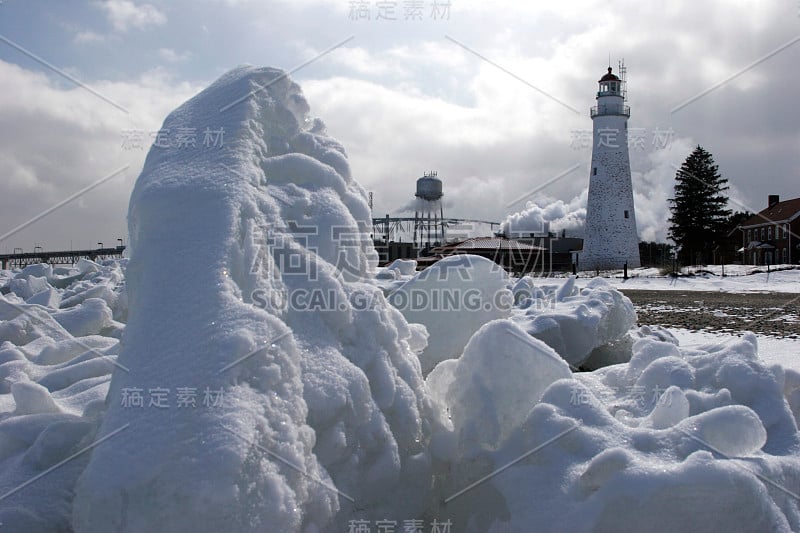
623	71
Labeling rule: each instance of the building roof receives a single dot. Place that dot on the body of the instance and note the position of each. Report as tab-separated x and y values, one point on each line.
609	76
780	212
488	243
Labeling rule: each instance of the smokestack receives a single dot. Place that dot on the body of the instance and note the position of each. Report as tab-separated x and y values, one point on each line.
773	199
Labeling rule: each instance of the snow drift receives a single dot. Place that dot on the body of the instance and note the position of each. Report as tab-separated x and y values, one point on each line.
59	332
318	402
676	440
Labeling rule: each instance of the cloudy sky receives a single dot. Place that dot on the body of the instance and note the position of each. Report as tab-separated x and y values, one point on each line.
492	95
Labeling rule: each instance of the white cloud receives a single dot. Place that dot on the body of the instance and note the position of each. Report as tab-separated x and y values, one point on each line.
170	55
64	139
88	37
125	14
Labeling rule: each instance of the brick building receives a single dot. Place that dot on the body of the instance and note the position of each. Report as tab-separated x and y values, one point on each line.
773	235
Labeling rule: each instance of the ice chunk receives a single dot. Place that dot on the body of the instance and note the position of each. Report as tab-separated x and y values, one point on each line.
603	466
733	431
32	398
21	287
671	408
49	297
89	318
39	270
30	323
57	442
647	350
666	372
405	267
467	290
575	325
500	377
566	290
86	266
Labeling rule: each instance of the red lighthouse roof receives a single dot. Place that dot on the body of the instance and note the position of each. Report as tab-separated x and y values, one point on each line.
609	76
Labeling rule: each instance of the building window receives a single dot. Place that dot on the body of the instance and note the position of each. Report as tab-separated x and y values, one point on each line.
785	256
762	234
749	235
594	171
626	214
769	233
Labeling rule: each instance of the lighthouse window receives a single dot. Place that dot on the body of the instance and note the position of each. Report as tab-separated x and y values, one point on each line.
626	213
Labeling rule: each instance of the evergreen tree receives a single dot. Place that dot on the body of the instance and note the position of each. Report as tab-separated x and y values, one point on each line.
736	218
655	254
699	208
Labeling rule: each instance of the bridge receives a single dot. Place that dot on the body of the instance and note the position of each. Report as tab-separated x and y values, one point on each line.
20	259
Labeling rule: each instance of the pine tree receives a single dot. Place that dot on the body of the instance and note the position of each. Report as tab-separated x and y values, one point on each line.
699	209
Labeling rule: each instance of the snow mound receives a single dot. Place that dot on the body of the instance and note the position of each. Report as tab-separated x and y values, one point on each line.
288	396
675	440
467	290
55	370
501	375
577	322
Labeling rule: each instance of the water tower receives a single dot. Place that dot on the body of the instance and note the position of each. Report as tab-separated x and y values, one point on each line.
428	212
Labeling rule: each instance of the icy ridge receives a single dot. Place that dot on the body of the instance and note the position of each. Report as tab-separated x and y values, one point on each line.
323	408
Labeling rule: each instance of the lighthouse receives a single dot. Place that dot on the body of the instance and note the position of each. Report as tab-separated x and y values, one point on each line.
610	239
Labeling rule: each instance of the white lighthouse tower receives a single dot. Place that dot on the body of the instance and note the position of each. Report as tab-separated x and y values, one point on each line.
610	239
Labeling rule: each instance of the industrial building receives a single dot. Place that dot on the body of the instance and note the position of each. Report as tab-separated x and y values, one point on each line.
429	236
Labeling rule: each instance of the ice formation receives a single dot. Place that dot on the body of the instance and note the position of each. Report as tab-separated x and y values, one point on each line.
467	290
247	277
577	323
675	440
59	332
245	371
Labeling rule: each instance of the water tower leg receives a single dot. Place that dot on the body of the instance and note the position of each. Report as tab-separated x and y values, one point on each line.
429	228
441	213
416	227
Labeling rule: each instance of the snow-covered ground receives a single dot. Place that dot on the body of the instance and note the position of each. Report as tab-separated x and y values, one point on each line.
249	369
737	278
